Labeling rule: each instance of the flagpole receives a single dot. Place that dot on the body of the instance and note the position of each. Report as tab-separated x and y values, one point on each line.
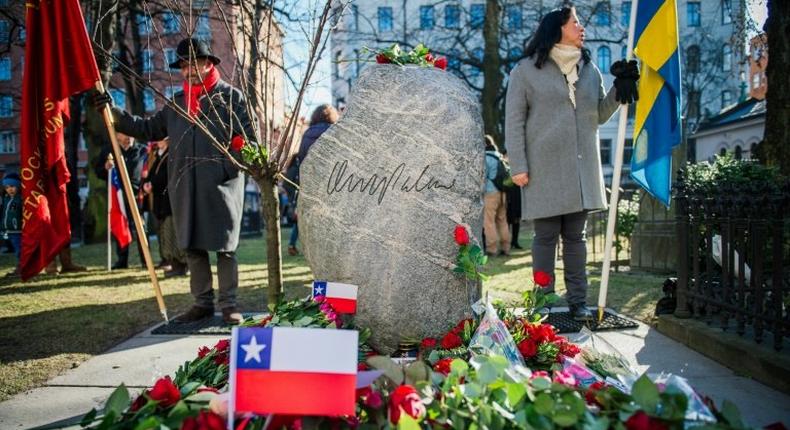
618	167
130	197
109	214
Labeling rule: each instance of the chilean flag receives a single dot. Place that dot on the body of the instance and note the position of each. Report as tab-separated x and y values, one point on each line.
342	297
293	371
119	221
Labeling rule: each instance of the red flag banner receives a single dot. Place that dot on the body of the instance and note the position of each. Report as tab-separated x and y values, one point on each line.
59	62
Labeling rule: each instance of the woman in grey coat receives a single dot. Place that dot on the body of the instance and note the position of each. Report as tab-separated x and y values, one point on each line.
555	103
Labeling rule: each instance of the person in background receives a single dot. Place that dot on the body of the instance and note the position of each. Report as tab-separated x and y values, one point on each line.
513	199
155	186
12	215
495	228
555	103
322	118
134	155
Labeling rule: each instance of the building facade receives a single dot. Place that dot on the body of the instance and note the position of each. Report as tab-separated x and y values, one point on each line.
711	46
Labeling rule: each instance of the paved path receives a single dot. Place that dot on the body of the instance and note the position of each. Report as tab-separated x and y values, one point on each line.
139	361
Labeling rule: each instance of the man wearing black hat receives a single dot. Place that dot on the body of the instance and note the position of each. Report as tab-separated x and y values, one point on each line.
205	188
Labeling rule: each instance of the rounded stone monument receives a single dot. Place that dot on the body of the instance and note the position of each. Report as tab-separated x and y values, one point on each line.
382	191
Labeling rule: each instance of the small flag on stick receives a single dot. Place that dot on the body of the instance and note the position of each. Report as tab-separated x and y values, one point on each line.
342	297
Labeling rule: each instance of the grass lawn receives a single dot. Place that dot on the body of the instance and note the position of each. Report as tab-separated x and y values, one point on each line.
54	322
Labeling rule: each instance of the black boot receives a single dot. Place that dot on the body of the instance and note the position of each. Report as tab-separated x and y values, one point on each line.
579	312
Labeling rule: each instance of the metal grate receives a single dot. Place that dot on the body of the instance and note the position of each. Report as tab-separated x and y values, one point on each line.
564	322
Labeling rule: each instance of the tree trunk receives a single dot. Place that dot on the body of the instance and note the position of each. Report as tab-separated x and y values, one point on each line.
271	217
492	72
775	148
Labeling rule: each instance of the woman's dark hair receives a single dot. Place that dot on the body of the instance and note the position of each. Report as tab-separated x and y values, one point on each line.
548	34
324	113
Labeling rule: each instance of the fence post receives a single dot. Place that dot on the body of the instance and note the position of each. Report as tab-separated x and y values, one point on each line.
681	202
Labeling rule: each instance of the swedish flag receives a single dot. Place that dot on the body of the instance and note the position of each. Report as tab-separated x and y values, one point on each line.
657	126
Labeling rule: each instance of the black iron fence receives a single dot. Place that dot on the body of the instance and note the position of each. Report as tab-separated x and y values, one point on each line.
734	259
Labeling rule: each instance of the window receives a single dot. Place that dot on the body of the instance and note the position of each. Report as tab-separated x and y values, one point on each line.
148	100
604	58
452	16
606	152
171	91
118	97
148	61
22	35
385	19
6	106
478	55
755	81
8	143
357	65
625	14
115	61
738	152
354	18
603	17
170	23
515	19
726	58
726	98
201	4
693	104
692	14
426	18
453	61
3	31
5	68
143	24
628	153
170	57
692	59
726	11
4	3
477	15
514	54
203	27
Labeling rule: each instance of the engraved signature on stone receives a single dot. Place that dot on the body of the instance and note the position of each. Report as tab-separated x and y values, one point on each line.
341	180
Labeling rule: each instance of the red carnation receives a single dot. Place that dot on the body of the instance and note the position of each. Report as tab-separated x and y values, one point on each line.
165	392
222	345
451	340
641	421
237	143
440	63
567	349
443	366
528	348
542	278
382	59
428	343
461	235
429	57
541	333
406	399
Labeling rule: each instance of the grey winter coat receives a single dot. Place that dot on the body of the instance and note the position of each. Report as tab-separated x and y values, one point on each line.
206	190
557	145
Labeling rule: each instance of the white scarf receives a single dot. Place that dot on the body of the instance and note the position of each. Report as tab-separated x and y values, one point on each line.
567	58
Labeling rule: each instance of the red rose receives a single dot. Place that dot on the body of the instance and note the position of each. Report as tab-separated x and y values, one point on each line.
237	143
443	366
205	420
461	235
528	348
641	421
440	63
428	343
138	403
222	345
373	400
542	278
429	57
382	59
165	392
451	340
221	359
406	399
541	333
567	349
203	351
592	391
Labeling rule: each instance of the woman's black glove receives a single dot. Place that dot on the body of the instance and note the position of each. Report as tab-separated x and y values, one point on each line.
626	74
100	100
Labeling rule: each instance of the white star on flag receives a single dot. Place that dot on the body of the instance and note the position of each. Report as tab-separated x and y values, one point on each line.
319	290
253	350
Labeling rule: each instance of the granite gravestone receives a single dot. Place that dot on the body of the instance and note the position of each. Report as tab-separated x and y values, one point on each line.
382	191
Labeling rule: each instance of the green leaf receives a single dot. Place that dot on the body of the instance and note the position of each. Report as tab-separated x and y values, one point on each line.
152	422
565	418
645	394
189	387
303	321
544	404
118	401
391	369
459	367
472	390
88	418
406	422
540	384
417	371
515	393
487	373
730	413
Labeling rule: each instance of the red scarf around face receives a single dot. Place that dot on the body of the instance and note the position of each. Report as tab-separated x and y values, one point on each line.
193	92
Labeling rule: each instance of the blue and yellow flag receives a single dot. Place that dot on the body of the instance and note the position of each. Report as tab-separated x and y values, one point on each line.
657	127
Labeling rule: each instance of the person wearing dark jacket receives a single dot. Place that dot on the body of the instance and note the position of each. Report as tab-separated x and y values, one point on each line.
155	185
322	118
513	212
11	213
206	189
134	155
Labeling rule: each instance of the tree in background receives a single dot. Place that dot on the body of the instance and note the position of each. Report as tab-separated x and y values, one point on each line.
775	148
